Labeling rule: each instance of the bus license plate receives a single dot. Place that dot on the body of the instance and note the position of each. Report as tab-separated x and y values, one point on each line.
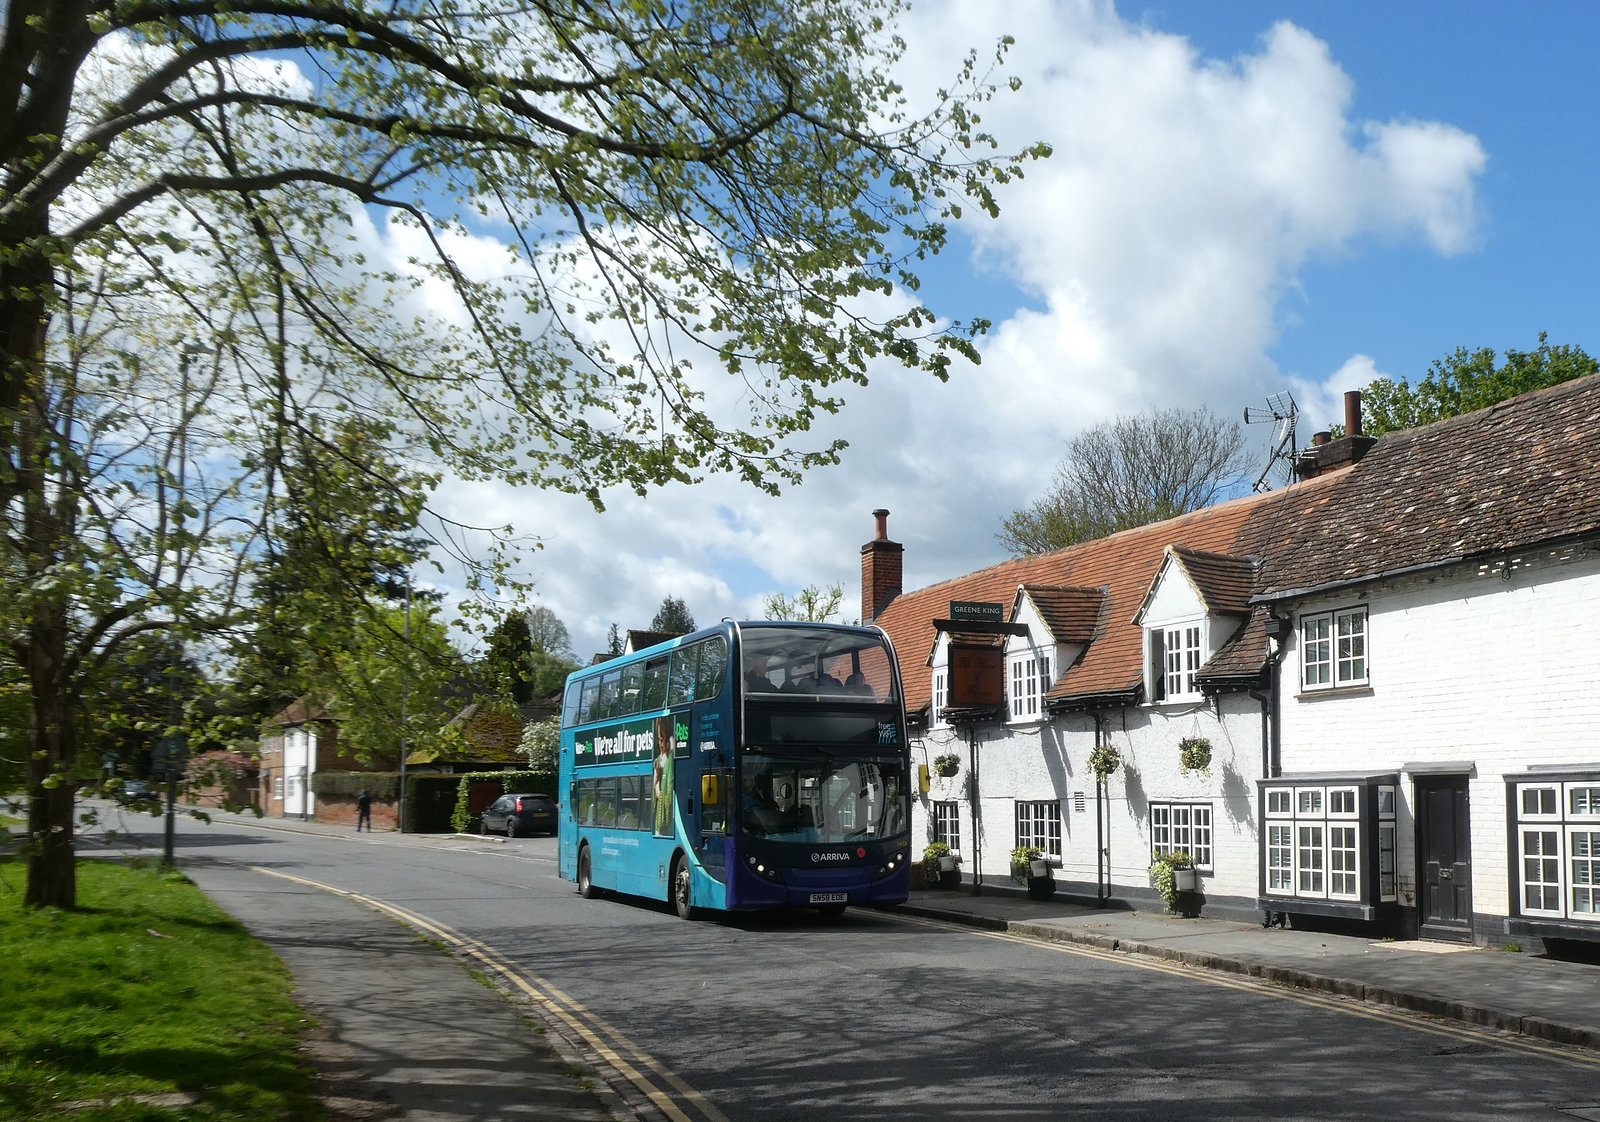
828	898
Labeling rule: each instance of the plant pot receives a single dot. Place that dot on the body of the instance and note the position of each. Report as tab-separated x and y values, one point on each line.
1185	880
947	864
1039	869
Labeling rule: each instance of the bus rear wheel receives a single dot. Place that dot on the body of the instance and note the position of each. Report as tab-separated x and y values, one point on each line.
680	889
586	887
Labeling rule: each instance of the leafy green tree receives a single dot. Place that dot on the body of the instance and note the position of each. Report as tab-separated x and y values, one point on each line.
813	604
182	289
1466	380
394	666
1130	472
508	662
673	617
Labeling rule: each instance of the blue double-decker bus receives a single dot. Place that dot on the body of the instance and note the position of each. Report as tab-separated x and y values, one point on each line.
745	766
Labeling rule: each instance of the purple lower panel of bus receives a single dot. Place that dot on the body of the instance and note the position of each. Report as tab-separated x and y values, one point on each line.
803	887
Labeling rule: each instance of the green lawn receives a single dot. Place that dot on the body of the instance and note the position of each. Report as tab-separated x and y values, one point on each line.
147	1003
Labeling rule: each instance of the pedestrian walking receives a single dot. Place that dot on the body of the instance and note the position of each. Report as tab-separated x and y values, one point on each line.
364	811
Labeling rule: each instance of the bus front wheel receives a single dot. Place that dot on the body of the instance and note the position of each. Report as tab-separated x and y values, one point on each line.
586	887
680	889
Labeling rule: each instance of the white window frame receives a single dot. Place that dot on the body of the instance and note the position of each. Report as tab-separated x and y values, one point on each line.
1583	871
1183	827
1335	649
1344	859
939	697
1563	818
947	825
1182	655
1550	858
1038	824
1280	856
1028	676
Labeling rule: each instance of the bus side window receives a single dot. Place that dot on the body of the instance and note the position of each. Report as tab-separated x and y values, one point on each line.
655	684
569	706
712	669
610	687
588	702
605	802
628	802
632	681
586	802
684	663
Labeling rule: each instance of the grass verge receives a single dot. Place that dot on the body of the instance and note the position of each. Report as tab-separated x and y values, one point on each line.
147	1003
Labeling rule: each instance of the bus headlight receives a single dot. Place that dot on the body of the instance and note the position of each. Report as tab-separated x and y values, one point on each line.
890	867
764	870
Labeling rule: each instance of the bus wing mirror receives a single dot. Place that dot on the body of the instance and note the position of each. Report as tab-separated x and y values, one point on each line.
709	793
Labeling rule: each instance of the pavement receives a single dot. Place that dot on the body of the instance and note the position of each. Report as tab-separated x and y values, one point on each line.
464	1053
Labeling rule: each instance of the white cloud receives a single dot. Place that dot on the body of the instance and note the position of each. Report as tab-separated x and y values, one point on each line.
1184	196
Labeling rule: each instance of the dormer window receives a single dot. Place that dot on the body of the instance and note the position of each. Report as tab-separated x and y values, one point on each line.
1029	675
1181	645
939	699
1176	654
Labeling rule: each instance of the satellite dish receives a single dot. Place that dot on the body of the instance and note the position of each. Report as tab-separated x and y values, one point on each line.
1282	412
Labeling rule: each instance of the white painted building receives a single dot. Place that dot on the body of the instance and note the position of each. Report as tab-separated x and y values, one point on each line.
1391	661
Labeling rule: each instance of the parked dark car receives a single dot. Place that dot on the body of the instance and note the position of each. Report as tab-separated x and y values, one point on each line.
133	789
512	815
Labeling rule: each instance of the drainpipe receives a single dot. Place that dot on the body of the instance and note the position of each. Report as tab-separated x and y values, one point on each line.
977	813
1271	732
1102	855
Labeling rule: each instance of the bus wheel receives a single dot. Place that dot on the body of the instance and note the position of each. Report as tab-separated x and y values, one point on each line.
680	889
586	887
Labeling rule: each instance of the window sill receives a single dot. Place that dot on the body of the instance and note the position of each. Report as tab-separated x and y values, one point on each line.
1340	691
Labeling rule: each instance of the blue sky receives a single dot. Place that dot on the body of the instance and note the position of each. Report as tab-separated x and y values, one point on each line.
1237	206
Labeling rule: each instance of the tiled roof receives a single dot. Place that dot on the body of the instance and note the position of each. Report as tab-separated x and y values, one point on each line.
1073	615
1224	582
1243	656
1120	567
299	712
1513	475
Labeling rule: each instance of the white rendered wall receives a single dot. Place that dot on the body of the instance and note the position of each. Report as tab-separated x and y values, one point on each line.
1049	761
1502	674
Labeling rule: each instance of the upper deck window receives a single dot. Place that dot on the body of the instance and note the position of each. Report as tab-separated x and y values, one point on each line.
816	663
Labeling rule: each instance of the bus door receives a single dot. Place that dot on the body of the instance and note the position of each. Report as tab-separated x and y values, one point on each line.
711	795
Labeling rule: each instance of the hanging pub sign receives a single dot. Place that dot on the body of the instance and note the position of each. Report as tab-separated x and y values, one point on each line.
977	675
966	611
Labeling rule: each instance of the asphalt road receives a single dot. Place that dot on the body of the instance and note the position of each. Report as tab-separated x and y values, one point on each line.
877	1015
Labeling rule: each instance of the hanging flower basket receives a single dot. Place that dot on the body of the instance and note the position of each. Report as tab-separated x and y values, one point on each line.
1103	761
1194	754
947	765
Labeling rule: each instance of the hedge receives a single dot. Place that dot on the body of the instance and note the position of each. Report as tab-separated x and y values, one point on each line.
383	786
524	781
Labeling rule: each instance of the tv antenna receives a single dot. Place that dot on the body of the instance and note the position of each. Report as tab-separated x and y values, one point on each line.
1282	411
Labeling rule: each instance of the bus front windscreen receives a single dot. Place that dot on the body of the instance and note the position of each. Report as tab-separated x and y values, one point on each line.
822	800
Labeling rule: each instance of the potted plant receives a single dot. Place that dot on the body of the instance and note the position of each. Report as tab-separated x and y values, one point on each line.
937	864
1103	761
1171	875
1194	754
1030	869
947	765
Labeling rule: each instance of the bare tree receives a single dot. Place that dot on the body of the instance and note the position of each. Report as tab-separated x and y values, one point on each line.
812	604
1130	472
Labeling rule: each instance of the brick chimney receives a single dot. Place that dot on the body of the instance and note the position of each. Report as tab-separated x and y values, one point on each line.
881	561
1325	454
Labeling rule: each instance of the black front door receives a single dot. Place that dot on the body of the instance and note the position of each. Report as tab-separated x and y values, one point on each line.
1444	858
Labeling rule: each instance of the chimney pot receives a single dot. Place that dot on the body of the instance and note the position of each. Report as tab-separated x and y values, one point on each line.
883	524
1318	439
1352	413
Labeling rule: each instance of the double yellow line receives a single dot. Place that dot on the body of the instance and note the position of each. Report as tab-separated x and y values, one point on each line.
665	1090
1387	1014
